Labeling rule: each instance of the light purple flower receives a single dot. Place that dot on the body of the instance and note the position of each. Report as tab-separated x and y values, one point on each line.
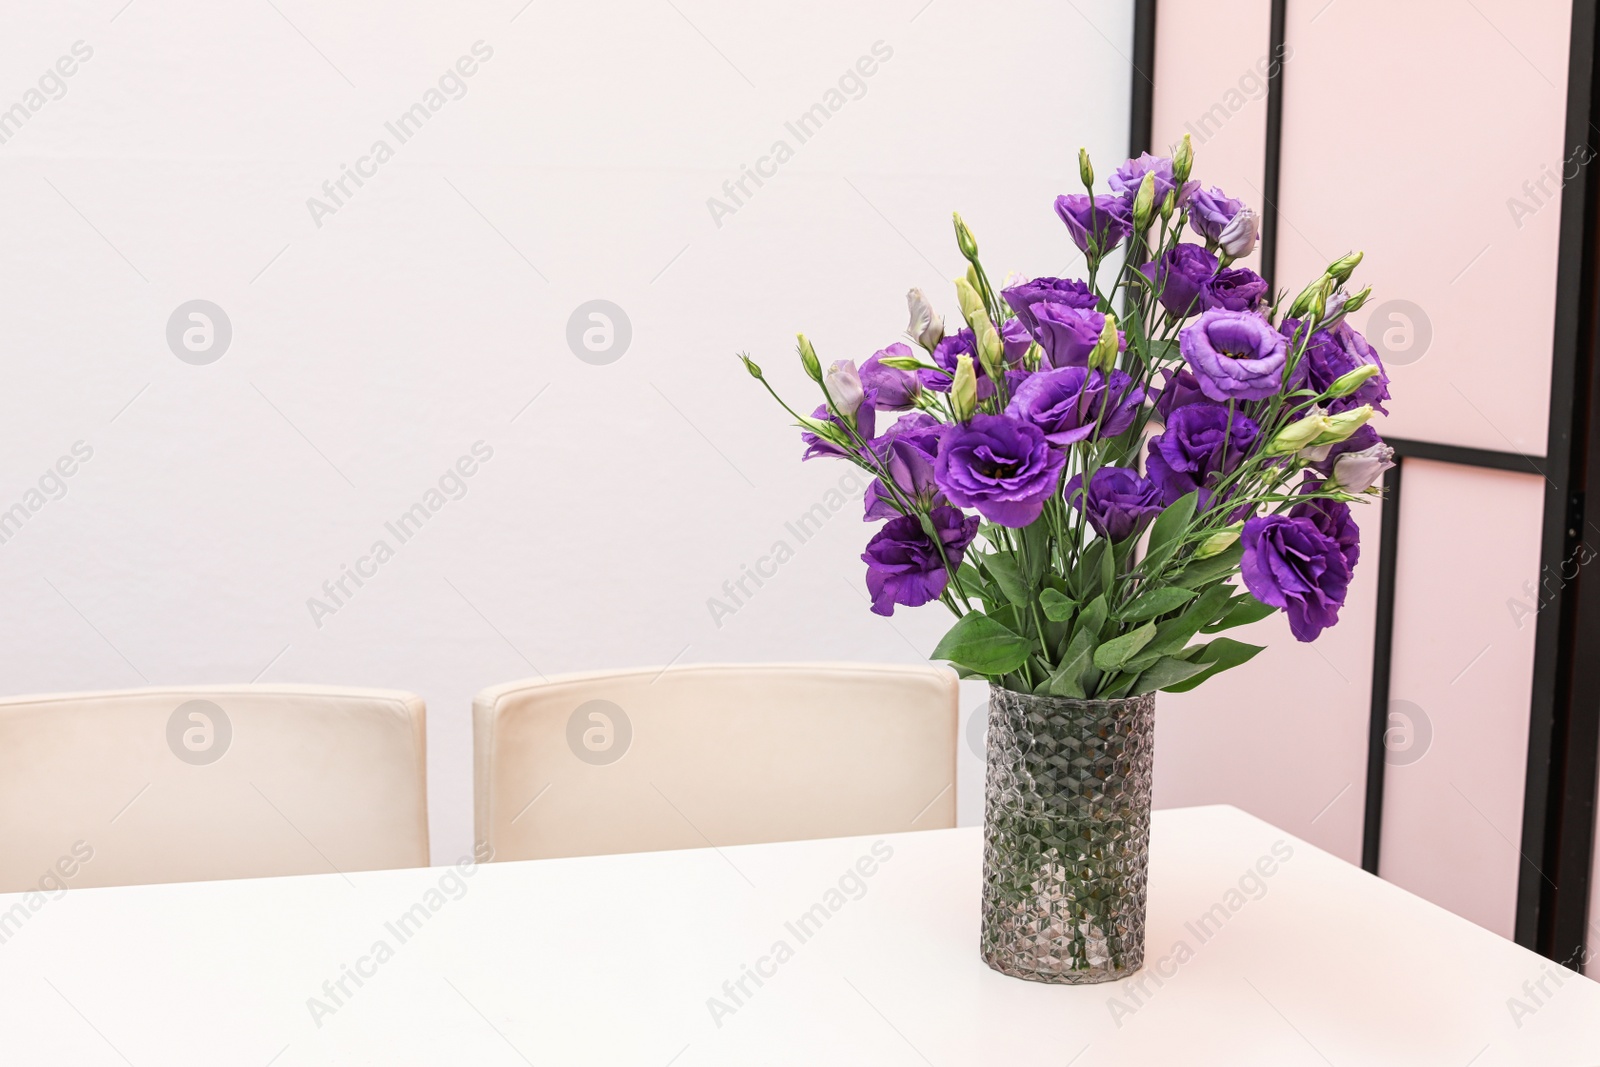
1235	355
1067	334
1210	211
1234	289
1096	226
1128	177
896	389
1073	403
1024	297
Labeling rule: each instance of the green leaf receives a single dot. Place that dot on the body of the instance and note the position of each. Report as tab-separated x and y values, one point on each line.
1245	610
1217	656
1067	681
1058	607
1173	634
1171	524
1004	570
1089	568
1119	650
1167	671
1108	568
1155	602
1202	571
1092	619
981	644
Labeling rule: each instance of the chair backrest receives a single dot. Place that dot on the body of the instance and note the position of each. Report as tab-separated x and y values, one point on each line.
185	784
650	759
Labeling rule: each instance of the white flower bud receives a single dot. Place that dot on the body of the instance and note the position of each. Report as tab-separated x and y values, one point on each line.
844	386
926	328
1238	237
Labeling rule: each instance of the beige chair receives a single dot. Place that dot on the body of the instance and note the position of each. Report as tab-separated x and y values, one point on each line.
640	760
172	785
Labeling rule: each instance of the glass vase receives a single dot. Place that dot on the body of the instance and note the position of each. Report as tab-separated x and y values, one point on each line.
1066	836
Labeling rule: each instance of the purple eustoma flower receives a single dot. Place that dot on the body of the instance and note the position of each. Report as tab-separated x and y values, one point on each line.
1068	291
1331	353
1202	443
1067	334
1235	355
1096	226
1210	211
907	449
1234	289
1119	503
1130	175
866	421
896	389
1072	403
1179	388
905	565
1002	466
1180	278
1290	563
946	353
1333	519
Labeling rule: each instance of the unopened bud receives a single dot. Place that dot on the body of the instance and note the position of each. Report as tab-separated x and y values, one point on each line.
1218	542
1183	160
964	239
1342	425
926	327
751	366
1085	169
808	359
1350	381
1341	269
1104	354
1354	303
1144	202
964	389
971	303
1299	434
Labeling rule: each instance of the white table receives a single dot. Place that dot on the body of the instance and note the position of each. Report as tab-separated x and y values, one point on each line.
612	960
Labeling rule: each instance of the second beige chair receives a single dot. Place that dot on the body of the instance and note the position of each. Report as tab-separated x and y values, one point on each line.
640	760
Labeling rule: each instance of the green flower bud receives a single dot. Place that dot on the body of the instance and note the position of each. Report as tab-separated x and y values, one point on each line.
828	430
964	239
1355	302
1183	160
1299	434
972	308
902	362
1144	202
750	365
1218	542
1342	425
1104	354
991	352
1341	269
964	389
808	359
1085	169
1169	205
1313	298
1348	383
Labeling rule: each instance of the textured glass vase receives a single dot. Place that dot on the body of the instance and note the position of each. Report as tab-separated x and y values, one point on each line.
1066	836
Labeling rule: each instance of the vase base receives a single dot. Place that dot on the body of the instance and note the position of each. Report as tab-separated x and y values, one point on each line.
1053	972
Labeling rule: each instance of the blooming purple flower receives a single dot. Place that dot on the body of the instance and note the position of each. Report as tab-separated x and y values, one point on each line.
905	565
1072	403
1067	334
907	449
1235	355
1068	291
1095	225
945	354
1210	211
1014	341
1202	443
1290	563
866	421
1179	388
1234	289
1002	466
1331	353
1131	174
1333	519
1119	503
896	389
1180	277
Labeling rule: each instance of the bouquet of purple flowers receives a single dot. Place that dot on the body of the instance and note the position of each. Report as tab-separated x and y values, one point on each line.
1079	488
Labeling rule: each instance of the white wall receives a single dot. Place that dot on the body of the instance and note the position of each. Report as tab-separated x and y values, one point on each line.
427	313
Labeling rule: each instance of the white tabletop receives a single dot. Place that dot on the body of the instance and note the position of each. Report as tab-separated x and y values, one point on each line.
617	959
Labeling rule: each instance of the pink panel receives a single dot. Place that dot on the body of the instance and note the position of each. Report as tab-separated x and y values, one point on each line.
1284	736
1465	608
1430	135
1211	66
